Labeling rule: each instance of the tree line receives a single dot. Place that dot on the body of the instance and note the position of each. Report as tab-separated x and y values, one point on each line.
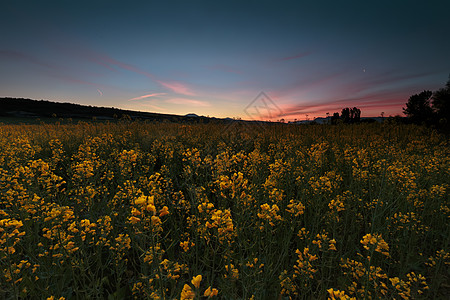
348	116
430	108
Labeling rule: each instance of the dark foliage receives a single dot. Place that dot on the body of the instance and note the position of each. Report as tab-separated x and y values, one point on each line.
335	118
351	115
441	103
418	107
20	107
430	108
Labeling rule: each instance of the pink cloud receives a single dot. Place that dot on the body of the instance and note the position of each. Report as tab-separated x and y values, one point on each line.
311	83
184	101
154	107
378	80
109	63
371	104
387	91
147	96
177	87
125	66
101	63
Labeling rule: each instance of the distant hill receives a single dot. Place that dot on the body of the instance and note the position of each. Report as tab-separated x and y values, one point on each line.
20	108
28	108
192	115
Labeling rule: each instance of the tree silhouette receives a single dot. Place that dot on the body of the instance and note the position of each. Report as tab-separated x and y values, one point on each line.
335	118
355	115
351	115
345	115
418	108
441	103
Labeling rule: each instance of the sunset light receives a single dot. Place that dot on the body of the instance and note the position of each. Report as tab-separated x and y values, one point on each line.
310	58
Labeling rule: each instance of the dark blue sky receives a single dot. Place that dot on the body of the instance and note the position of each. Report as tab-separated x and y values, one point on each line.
214	57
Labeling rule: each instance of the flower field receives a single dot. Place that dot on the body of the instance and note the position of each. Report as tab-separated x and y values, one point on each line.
171	211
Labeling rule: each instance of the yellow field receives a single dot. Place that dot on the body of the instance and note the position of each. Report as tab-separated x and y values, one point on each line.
165	211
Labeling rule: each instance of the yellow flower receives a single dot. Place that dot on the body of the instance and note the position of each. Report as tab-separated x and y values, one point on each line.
187	293
377	241
151	208
196	281
234	272
135	212
332	245
134	220
210	292
164	211
338	295
141	200
156	221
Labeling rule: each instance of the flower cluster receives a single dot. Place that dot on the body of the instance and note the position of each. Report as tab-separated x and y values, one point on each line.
94	210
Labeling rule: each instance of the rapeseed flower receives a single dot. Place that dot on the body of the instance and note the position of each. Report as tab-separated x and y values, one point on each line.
187	293
196	281
210	292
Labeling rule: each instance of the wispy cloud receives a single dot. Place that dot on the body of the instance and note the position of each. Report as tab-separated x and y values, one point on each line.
314	82
370	104
111	61
371	92
184	101
147	96
177	87
111	64
100	92
154	107
377	81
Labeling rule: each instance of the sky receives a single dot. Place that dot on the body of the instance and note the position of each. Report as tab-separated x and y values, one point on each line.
244	59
